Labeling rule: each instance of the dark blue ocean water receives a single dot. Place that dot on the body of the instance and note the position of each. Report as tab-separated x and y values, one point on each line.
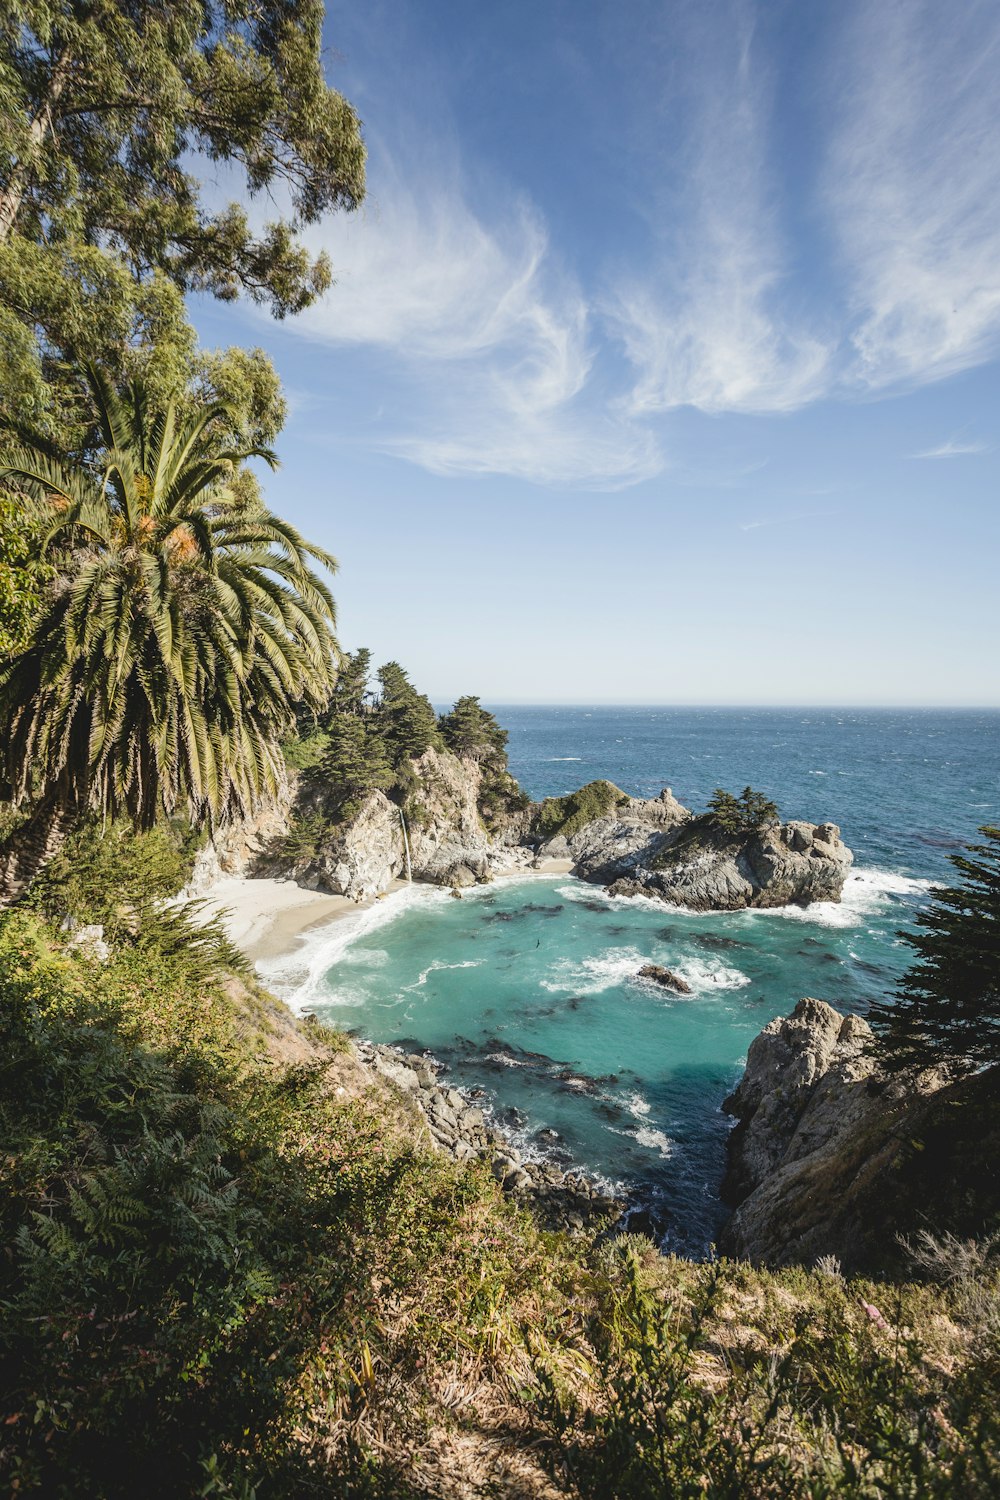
906	786
526	989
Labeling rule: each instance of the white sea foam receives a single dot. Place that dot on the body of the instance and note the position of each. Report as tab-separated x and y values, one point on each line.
637	1105
652	1140
436	966
865	893
300	977
581	891
554	758
589	976
710	974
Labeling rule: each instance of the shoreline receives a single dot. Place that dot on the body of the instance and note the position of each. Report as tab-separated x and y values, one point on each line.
267	918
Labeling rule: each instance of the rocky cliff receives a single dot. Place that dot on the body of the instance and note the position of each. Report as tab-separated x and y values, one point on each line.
830	1156
449	830
658	848
440	829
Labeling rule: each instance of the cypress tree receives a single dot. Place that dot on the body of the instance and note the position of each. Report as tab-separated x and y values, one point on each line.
470	730
947	1007
352	683
404	718
354	762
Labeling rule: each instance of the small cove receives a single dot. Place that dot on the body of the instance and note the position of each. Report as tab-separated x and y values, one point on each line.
526	989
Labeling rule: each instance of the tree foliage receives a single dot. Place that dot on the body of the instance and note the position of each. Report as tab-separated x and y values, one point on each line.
350	695
748	813
23	576
355	761
470	730
947	1008
105	112
184	628
405	720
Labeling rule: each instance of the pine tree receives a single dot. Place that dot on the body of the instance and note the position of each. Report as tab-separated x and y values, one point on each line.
747	813
352	683
947	1008
470	730
404	718
354	762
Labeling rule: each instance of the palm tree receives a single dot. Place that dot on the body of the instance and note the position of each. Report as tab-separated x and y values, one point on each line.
184	627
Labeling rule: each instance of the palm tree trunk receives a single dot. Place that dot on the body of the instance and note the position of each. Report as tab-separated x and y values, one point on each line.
32	844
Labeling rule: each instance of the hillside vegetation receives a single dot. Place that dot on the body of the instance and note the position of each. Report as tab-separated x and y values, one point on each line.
234	1269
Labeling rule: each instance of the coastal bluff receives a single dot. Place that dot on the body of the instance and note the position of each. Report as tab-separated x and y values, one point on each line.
449	831
832	1156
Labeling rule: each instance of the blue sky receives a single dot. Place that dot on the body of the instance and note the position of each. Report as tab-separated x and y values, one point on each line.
662	361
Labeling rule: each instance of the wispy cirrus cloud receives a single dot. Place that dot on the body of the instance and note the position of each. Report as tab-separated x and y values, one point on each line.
513	352
914	186
494	334
707	325
952	449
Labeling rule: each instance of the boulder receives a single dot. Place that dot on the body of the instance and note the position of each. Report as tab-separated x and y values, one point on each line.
698	865
665	977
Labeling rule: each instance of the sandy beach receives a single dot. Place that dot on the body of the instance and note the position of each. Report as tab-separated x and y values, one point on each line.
267	918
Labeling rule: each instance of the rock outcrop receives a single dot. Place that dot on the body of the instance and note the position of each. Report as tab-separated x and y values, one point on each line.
652	847
831	1156
440	838
235	848
666	978
658	849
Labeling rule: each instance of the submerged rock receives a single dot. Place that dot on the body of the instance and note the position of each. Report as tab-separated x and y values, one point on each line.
665	977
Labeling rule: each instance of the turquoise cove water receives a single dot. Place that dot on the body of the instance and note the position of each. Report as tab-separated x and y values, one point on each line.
526	989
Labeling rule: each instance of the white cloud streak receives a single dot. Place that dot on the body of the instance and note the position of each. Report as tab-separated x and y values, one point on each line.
706	328
496	338
952	449
914	188
504	363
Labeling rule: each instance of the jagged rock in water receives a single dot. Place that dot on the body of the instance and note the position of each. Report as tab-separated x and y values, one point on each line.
831	1156
665	977
693	862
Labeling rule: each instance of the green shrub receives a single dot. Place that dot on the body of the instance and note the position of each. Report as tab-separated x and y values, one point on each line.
840	1400
114	876
567	815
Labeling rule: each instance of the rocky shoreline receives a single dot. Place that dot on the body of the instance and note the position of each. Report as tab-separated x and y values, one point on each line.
653	847
457	1125
831	1156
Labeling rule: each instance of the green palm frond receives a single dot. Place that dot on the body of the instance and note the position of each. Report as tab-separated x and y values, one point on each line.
183	632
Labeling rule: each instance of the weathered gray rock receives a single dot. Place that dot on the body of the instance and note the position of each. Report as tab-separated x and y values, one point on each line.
236	847
700	867
656	974
783	1111
87	939
831	1156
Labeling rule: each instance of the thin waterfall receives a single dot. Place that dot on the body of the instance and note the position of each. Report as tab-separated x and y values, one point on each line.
406	846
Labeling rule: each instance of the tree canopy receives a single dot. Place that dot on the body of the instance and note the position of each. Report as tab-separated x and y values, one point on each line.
355	761
406	721
351	692
472	731
105	111
747	813
947	1008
